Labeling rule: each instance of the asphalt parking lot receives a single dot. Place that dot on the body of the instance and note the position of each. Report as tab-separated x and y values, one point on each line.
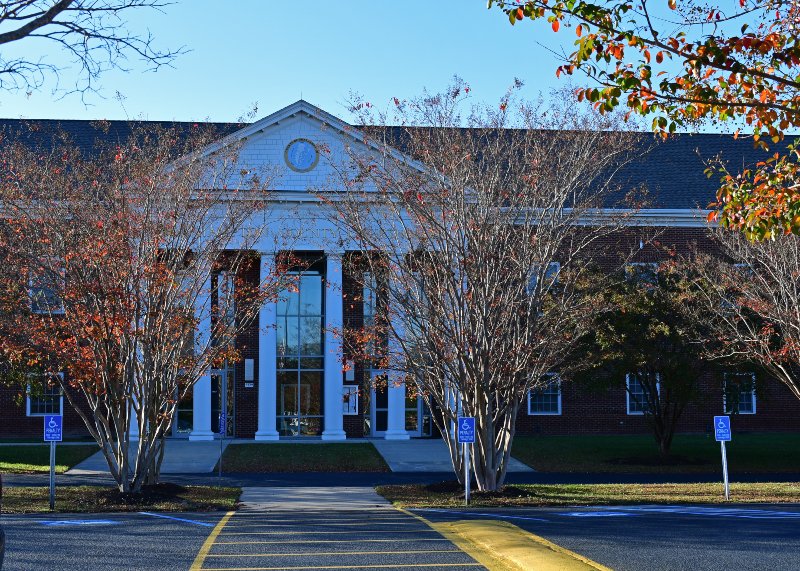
662	538
248	540
71	542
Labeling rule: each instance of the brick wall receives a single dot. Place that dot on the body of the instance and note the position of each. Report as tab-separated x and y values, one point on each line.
15	423
246	422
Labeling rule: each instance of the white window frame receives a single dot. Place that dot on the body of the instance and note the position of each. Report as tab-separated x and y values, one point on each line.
48	311
551	273
40	414
752	392
555	379
628	393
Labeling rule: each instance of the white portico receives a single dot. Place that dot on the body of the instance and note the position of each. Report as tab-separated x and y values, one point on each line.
295	384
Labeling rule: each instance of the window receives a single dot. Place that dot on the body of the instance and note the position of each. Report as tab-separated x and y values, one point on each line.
643	273
45	291
350	400
546	400
47	399
637	392
550	277
739	393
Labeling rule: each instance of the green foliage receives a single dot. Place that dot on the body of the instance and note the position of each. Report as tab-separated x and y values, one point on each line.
647	329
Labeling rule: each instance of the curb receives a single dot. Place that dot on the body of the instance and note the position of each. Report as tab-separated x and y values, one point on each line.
500	546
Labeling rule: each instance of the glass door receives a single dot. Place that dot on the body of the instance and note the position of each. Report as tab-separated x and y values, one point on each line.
379	405
300	357
223	398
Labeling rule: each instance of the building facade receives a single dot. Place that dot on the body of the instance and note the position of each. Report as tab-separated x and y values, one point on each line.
290	382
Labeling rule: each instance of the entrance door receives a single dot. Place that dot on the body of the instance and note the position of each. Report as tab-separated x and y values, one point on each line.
418	415
183	423
223	398
378	409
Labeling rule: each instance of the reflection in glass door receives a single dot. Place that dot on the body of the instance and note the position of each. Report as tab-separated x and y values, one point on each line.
379	405
300	357
183	422
223	397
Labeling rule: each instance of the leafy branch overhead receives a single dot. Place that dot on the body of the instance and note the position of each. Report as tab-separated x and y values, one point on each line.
689	62
94	35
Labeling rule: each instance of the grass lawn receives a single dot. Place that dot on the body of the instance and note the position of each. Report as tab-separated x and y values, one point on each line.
93	499
691	453
289	457
450	494
36	458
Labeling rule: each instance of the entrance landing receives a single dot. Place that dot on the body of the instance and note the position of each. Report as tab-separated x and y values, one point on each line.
180	457
425	455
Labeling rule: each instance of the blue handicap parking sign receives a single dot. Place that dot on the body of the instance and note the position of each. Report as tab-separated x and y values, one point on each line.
722	428
466	429
52	428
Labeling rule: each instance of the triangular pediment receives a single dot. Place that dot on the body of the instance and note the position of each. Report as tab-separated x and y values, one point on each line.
303	145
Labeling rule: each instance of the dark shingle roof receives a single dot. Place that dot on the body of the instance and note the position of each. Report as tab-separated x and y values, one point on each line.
672	171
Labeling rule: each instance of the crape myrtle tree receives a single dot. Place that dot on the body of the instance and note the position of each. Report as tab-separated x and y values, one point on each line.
93	35
689	62
479	238
110	262
650	337
751	290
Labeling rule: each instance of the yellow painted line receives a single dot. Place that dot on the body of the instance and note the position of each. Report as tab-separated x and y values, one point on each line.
206	547
413	565
319	553
304	541
499	545
359	524
295	532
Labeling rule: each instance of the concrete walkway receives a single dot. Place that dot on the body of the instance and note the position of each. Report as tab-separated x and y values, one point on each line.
312	498
425	455
180	457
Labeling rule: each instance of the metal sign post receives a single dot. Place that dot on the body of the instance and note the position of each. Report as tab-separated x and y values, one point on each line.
722	434
53	433
222	430
466	435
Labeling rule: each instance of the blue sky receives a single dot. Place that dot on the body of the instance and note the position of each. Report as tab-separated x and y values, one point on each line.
269	52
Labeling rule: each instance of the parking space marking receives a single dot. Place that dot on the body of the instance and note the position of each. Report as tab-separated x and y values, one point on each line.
318	553
379	566
201	523
206	547
65	522
304	541
326	532
302	545
703	511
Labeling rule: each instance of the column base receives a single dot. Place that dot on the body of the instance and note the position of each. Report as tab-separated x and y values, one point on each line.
201	436
267	436
334	435
396	435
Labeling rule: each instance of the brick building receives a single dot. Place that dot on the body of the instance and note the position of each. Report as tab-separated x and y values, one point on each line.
285	388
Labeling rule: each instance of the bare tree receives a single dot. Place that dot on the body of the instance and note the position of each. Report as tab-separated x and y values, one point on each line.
753	293
93	33
480	233
110	265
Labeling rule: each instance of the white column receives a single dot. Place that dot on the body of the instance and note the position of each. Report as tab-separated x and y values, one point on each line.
134	429
201	395
396	424
334	326
267	357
